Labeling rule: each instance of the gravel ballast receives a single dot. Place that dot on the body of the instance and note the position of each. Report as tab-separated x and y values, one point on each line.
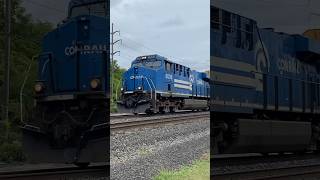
143	153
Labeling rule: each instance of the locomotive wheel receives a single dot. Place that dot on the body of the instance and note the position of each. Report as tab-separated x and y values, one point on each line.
161	110
171	109
149	112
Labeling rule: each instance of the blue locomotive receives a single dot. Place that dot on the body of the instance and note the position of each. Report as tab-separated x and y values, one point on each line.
266	90
71	92
155	84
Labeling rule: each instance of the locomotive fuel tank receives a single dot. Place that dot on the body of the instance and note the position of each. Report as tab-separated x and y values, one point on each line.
195	104
265	136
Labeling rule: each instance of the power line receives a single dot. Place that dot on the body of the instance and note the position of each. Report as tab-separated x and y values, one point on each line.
112	54
151	49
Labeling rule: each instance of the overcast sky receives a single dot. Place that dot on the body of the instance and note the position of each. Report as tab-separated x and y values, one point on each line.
47	10
179	29
290	16
176	29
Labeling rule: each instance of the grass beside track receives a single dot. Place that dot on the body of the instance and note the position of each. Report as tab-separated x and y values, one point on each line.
199	170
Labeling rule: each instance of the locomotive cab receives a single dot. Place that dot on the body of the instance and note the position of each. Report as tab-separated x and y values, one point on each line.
68	123
139	84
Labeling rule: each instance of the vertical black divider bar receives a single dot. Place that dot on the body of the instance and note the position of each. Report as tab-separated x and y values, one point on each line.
290	95
276	93
265	91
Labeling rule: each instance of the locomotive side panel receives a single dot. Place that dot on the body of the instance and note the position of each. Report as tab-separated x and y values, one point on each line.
235	85
263	65
262	79
70	62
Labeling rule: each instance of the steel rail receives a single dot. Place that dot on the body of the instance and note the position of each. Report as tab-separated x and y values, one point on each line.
96	172
296	172
127	116
157	121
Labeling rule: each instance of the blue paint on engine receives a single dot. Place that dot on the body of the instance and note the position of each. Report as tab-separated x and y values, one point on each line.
254	68
157	73
76	52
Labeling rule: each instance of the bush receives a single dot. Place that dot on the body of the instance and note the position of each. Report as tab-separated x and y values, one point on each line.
113	107
10	152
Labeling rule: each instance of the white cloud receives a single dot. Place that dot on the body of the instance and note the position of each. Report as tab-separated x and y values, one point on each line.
176	29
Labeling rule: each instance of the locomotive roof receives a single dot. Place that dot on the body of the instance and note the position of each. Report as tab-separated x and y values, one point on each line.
74	3
309	46
235	14
154	56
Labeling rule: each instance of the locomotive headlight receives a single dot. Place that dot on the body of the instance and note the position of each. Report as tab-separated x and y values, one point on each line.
95	83
121	89
38	87
139	88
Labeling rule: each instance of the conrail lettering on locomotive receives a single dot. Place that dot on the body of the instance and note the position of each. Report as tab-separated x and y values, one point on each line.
290	64
85	49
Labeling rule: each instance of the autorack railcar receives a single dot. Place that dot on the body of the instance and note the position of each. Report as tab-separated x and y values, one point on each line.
69	122
265	87
155	84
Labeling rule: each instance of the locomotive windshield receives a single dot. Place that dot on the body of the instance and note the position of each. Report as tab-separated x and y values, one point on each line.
96	9
150	63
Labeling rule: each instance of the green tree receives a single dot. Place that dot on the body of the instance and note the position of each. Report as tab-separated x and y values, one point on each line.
117	84
26	43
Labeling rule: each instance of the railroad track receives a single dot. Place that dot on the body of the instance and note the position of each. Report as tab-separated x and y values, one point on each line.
63	173
292	173
143	115
257	167
154	121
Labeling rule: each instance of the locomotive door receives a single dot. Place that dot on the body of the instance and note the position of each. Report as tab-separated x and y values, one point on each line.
169	68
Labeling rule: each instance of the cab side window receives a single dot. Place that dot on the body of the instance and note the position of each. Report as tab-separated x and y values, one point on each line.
167	66
177	68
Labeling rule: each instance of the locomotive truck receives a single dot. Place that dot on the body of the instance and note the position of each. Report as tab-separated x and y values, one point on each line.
69	122
154	84
265	94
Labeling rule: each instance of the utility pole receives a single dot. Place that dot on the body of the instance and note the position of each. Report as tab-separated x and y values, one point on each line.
7	54
112	54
